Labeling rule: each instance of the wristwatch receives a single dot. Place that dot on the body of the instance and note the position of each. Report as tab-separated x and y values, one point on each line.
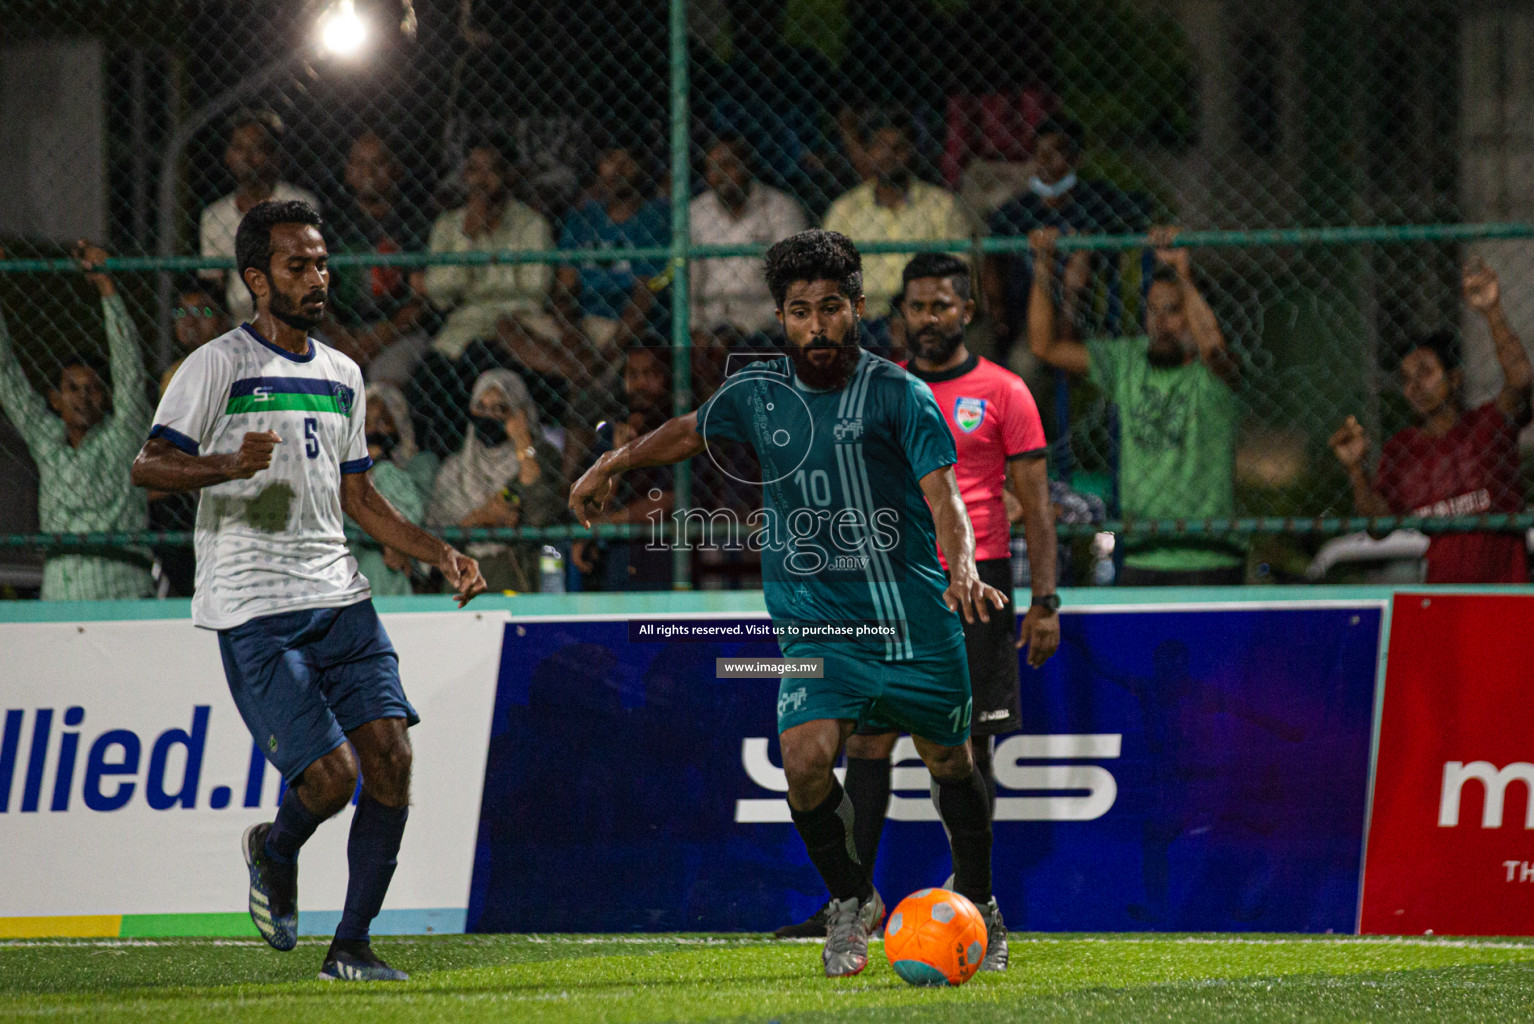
529	452
1049	602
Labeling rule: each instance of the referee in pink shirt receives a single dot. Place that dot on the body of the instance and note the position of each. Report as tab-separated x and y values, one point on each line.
1000	439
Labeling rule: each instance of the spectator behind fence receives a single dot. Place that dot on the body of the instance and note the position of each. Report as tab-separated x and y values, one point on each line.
376	313
1056	198
483	299
200	317
618	216
1453	462
505	475
403	474
1174	388
479	296
642	496
737	209
83	449
254	157
892	207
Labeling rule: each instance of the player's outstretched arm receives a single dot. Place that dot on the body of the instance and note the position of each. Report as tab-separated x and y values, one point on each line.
965	593
676	440
161	466
382	521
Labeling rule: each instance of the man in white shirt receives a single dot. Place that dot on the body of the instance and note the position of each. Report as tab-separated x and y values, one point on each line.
475	298
271	426
737	209
894	206
254	157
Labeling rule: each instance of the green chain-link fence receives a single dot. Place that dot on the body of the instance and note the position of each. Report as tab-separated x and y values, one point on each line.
534	188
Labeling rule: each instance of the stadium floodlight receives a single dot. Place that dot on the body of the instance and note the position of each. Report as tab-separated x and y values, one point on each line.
342	30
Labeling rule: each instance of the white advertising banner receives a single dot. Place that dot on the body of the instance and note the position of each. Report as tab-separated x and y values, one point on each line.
127	776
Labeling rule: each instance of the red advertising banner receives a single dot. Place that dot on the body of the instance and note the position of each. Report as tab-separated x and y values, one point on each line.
1451	837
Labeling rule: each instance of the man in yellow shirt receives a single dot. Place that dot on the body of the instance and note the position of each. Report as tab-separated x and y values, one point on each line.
894	206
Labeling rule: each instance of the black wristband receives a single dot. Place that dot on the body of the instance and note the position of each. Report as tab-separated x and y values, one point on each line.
1048	602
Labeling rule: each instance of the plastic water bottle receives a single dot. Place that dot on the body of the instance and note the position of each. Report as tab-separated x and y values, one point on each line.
1103	571
551	570
1022	569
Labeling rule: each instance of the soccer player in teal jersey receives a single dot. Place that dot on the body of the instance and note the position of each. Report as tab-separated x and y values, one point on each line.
857	468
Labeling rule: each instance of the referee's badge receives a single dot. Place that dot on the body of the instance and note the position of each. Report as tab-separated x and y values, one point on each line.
969	413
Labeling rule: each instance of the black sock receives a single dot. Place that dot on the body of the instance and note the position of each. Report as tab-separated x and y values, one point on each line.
868	785
827	836
371	852
985	765
967	817
294	825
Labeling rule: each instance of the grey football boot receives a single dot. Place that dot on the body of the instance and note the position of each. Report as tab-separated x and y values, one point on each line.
848	927
995	937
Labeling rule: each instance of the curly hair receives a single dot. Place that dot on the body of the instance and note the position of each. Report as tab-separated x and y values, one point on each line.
253	238
814	255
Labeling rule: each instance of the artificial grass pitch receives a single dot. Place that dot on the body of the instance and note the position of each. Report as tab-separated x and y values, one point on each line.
748	978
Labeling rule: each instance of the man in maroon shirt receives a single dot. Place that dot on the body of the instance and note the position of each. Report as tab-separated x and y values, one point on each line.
1453	462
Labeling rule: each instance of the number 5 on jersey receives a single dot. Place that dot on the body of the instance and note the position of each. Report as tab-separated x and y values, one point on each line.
311	437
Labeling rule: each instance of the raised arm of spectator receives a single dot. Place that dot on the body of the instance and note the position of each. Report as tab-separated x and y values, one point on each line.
1484	294
1351	446
131	411
1201	319
1043	339
26	409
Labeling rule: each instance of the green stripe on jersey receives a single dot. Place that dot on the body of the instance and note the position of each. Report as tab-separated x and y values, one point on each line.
284	403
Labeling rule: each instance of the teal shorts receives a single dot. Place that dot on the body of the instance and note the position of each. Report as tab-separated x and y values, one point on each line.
927	697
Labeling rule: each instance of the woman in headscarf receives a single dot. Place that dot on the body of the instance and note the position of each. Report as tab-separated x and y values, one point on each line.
403	474
506	474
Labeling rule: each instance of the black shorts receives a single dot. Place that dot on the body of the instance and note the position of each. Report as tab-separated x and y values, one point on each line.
993	659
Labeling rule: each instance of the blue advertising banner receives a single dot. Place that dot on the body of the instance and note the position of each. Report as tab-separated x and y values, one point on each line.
1183	769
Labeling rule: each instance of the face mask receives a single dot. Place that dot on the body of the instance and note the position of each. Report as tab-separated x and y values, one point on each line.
1055	191
386	443
490	430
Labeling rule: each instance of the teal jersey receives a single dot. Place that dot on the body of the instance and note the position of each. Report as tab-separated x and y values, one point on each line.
846	536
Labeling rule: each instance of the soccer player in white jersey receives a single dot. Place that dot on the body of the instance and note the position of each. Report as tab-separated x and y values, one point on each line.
269	425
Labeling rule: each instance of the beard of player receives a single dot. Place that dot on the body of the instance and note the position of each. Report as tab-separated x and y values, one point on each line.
827	373
933	346
303	314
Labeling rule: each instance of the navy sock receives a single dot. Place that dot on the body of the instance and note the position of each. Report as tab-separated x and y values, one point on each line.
372	850
827	834
966	814
868	784
294	825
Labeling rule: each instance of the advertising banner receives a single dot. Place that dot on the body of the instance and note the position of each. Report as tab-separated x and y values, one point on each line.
1191	768
1449	840
127	778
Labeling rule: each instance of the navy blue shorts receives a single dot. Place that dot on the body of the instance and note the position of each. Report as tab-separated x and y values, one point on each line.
303	680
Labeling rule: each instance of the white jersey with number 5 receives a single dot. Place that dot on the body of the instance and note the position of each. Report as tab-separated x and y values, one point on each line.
273	543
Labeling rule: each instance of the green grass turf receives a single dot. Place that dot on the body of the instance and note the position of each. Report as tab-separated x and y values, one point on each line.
746	978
